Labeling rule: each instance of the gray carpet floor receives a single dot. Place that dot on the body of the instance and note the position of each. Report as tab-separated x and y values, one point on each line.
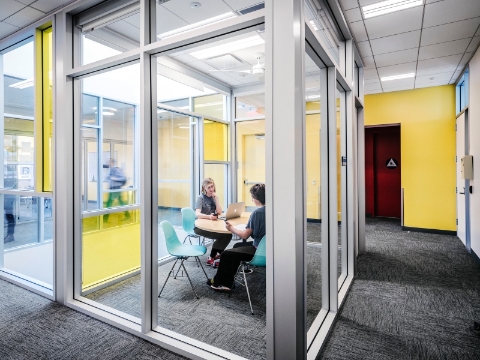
414	297
32	327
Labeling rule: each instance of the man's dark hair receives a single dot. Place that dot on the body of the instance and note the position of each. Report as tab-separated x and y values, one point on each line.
258	192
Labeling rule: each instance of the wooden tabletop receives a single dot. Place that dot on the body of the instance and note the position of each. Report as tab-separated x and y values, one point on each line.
218	226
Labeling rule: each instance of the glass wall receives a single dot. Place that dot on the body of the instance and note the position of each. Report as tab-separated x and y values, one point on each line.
27	248
110	243
342	184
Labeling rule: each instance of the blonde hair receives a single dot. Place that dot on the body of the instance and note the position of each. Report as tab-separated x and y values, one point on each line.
205	183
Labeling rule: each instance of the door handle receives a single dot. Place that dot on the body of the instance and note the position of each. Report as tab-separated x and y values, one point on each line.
462	193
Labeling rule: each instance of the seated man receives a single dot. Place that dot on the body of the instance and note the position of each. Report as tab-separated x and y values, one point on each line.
230	259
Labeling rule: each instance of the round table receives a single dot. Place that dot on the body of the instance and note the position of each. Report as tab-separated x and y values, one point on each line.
218	226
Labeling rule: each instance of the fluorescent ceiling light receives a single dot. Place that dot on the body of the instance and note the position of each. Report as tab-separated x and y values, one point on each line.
228	47
388	6
110	18
396	77
108	113
310	97
197	25
23	84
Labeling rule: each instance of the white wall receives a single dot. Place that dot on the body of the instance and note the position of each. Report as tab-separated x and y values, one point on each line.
474	119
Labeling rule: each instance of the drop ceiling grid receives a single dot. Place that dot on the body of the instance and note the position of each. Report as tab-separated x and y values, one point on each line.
439	37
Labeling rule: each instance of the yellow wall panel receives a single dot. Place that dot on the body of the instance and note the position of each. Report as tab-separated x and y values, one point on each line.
110	253
427	122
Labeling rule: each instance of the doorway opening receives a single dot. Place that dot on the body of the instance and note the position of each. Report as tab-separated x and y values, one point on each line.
383	171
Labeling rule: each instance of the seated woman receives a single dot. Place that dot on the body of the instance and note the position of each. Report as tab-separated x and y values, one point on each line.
230	259
208	207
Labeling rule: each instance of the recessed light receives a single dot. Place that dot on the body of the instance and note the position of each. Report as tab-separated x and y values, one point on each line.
388	6
396	77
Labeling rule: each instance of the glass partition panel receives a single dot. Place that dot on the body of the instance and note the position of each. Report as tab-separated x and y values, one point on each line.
110	242
313	190
110	34
341	185
215	141
250	106
182	282
250	158
219	173
211	105
27	232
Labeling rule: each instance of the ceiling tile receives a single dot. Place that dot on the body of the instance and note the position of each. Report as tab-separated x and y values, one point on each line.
394	23
364	48
465	59
48	5
396	42
425	85
353	15
370	74
478	32
371	92
448	32
445	61
6	29
373	86
133	20
397	69
358	30
10	7
367	2
473	44
372	80
397	57
400	84
237	5
441	77
24	17
26	2
368	62
448	11
208	10
436	70
348	4
166	21
125	29
443	49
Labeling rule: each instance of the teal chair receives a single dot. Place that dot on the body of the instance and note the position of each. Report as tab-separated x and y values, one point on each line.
182	252
188	223
259	260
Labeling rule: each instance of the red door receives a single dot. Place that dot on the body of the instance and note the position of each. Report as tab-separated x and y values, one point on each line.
383	171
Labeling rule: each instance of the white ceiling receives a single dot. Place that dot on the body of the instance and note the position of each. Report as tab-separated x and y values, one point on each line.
435	41
16	14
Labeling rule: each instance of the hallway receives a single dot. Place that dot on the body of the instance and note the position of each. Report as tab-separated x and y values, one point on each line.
414	297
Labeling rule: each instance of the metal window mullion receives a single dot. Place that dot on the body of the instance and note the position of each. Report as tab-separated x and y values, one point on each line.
344	132
331	232
285	179
100	154
77	193
201	146
192	130
233	150
361	178
41	222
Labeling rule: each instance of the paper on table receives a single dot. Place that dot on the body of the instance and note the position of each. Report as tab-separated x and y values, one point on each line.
240	227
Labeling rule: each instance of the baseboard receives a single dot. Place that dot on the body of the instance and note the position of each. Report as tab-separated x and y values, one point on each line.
475	256
314	220
430	231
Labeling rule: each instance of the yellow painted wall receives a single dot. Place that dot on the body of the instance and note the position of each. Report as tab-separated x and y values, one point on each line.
112	251
427	118
215	136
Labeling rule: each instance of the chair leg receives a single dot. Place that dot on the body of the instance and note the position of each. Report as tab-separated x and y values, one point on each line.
200	263
191	284
168	276
246	286
189	239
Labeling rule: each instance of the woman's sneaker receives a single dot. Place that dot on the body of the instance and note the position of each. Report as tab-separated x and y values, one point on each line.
211	260
220	287
216	263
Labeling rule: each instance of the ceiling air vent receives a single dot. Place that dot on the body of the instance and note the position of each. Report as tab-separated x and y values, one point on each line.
225	62
251	8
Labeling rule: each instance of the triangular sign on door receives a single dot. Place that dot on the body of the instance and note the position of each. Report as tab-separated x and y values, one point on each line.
391	164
